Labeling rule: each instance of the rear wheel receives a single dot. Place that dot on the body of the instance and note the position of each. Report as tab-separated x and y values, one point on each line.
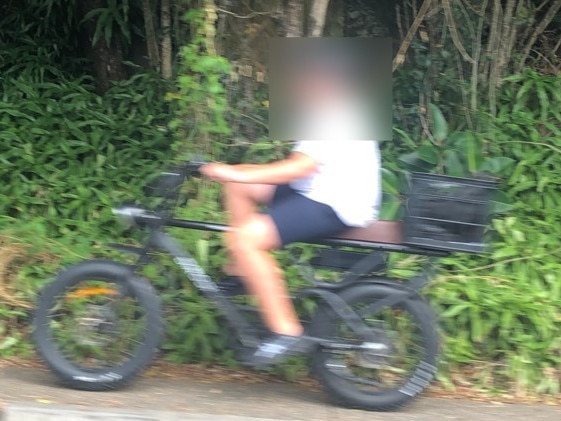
97	325
386	372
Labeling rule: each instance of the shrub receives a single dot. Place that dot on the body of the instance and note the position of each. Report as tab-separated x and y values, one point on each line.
501	313
69	154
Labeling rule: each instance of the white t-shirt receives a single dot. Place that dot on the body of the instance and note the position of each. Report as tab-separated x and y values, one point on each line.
348	178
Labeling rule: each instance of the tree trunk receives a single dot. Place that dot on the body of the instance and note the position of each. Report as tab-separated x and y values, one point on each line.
150	30
294	18
166	40
108	59
318	11
400	56
553	9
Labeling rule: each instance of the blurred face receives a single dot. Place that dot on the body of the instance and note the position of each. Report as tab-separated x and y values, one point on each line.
330	88
318	86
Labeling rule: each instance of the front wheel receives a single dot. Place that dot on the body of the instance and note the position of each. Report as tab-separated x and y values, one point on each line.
385	373
97	325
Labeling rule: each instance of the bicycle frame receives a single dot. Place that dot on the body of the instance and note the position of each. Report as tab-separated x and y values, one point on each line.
161	241
204	283
355	300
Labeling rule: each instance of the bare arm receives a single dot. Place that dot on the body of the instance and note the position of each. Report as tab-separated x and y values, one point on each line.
297	165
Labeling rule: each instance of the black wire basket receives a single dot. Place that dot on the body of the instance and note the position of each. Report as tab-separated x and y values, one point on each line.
447	212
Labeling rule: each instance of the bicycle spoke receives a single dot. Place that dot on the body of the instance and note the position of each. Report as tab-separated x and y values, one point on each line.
342	371
95	326
380	365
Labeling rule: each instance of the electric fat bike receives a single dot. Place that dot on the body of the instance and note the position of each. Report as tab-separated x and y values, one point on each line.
99	323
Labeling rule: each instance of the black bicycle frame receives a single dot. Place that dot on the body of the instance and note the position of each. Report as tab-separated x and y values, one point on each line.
162	241
204	283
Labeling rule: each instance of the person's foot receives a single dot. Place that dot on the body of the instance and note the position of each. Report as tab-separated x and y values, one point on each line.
277	348
231	286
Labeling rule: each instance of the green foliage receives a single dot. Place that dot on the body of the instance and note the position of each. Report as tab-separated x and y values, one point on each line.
53	21
265	151
195	332
70	154
505	308
37	45
534	96
199	124
200	100
500	313
29	257
528	129
115	15
457	153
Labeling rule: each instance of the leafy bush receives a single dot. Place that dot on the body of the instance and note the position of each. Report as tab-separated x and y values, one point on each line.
70	154
40	39
200	100
28	258
504	310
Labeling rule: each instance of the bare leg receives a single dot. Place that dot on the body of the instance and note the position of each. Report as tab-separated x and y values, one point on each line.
251	237
241	202
250	245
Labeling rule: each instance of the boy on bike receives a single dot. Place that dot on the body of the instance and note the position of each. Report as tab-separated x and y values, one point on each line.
321	189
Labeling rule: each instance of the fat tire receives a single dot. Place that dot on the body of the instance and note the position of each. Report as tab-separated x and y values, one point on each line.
341	391
74	376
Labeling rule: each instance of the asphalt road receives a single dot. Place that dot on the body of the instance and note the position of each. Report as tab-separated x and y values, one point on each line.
33	395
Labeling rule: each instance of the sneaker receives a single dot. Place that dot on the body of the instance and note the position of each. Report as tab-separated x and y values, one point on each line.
231	286
279	347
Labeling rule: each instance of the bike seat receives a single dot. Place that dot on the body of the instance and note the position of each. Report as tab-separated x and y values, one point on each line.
390	232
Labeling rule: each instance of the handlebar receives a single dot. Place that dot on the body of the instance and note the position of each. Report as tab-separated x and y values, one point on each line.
194	164
167	185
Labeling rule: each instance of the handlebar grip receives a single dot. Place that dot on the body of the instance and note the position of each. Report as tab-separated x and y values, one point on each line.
195	163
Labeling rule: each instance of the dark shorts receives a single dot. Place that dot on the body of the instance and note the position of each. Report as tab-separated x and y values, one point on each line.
299	219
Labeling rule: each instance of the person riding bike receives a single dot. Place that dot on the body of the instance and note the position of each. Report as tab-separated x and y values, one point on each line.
324	187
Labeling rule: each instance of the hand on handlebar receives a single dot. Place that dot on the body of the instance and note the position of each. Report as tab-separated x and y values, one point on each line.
223	173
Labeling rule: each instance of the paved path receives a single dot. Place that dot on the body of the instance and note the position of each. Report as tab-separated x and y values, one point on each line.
33	395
